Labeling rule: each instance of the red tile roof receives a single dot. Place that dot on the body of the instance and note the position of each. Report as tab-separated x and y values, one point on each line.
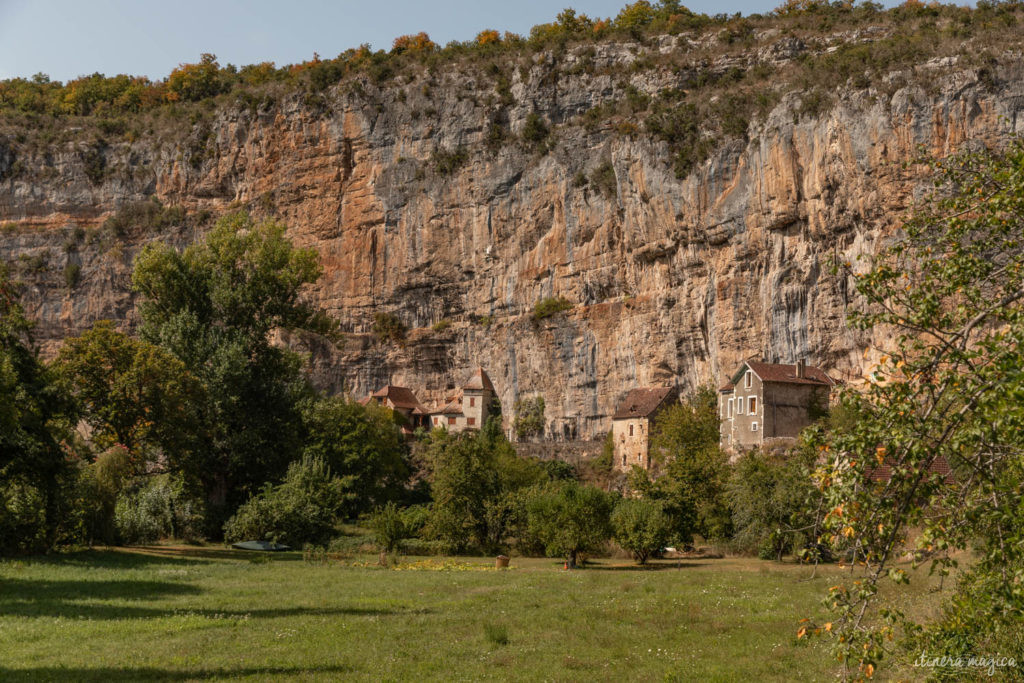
400	397
786	373
453	408
479	381
643	402
883	473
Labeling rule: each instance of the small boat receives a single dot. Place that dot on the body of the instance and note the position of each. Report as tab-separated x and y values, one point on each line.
260	545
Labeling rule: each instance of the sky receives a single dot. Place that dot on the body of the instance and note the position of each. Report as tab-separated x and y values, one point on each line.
70	38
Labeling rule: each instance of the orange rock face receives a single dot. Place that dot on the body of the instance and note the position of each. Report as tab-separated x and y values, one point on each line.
673	281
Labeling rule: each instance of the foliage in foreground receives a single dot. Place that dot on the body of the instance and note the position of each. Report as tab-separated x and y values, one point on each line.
948	389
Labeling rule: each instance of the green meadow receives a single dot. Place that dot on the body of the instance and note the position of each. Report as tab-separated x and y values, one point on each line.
192	613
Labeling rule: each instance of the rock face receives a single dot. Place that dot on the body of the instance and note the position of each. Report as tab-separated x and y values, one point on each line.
413	212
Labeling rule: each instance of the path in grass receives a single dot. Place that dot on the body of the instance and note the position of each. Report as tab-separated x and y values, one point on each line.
184	614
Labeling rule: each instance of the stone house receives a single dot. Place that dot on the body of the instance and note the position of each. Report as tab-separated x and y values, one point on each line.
632	423
470	408
769	403
404	402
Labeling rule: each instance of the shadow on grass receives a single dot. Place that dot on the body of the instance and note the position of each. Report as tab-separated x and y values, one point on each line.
138	557
75	600
651	567
57	673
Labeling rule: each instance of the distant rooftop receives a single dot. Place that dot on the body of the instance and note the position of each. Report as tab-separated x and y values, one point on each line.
642	402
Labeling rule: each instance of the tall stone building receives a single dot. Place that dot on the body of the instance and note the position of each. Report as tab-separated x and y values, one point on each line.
632	422
470	408
768	403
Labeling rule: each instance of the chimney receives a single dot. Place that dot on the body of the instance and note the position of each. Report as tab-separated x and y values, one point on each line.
801	371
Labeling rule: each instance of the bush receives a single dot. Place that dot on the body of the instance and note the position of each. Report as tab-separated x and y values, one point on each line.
535	131
159	508
72	273
604	180
389	327
641	527
389	527
149	215
302	509
549	306
447	162
22	518
529	417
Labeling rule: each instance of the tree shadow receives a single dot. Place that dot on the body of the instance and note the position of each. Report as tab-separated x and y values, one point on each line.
81	600
59	673
650	567
137	557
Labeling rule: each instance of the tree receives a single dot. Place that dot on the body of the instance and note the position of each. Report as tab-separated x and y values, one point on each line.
772	501
947	296
361	444
641	527
569	519
301	509
684	443
34	421
213	306
130	392
463	479
192	82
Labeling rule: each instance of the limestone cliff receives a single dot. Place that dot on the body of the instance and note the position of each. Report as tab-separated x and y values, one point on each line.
416	209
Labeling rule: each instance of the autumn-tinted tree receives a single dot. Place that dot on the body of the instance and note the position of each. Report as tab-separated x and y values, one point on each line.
191	82
947	299
130	392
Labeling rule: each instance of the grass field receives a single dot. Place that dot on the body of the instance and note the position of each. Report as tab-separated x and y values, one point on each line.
180	613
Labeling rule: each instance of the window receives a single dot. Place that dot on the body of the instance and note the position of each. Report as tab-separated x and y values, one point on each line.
753	426
748	379
623	459
470	421
435	420
631	430
739	406
730	406
472	401
752	405
451	420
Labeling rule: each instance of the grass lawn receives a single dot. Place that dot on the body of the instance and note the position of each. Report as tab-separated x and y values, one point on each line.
189	613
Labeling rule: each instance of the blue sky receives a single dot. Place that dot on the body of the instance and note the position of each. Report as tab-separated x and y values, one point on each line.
69	38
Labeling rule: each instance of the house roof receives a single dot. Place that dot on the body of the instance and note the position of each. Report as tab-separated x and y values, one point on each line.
479	381
453	408
642	402
940	466
400	397
784	373
728	386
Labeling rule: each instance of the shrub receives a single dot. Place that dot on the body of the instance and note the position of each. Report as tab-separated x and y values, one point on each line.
22	517
147	215
603	178
529	417
161	507
447	162
389	527
641	527
441	325
302	509
535	130
145	515
389	328
549	306
72	273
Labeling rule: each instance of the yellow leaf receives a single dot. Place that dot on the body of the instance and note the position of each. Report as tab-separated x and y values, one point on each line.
828	627
801	633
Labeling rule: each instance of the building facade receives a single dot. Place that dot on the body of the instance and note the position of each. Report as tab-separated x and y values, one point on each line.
403	402
632	423
470	408
769	403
